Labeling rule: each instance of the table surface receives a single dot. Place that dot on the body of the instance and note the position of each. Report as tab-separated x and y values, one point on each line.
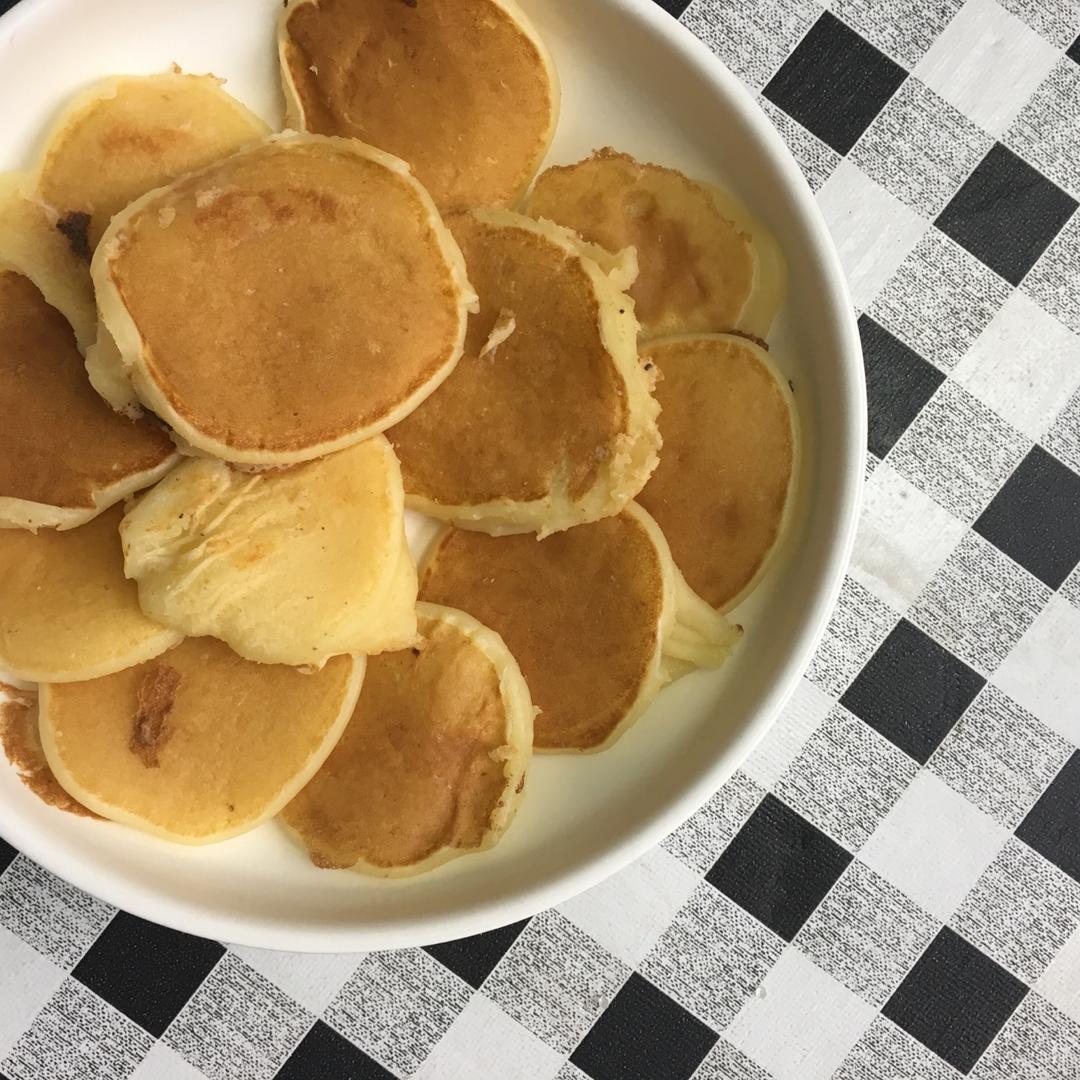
889	889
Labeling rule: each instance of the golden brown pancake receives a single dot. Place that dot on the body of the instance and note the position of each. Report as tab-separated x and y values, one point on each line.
433	761
286	302
598	618
463	90
726	473
66	610
126	135
288	566
706	264
64	454
197	745
548	421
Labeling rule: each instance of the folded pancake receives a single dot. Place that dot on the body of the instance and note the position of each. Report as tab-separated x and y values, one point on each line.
723	489
706	263
198	745
463	90
598	617
432	763
548	421
66	610
288	566
286	302
126	135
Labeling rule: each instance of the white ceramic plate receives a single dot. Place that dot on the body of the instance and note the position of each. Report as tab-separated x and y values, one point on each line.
633	79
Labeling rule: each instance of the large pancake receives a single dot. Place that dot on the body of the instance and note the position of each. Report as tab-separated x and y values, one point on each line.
197	745
463	90
288	301
288	566
548	421
706	263
723	488
127	135
598	618
432	764
66	610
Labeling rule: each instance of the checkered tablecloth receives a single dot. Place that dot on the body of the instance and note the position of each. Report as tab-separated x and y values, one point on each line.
889	889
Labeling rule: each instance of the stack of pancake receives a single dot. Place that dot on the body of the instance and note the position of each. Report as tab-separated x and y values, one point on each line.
233	363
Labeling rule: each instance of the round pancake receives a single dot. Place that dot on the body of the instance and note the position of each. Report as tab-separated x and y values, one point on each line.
127	135
64	454
288	566
432	764
706	263
463	90
198	745
722	490
548	421
66	610
598	618
288	301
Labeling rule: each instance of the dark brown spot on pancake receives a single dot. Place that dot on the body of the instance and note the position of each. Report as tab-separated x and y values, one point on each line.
760	342
156	695
75	226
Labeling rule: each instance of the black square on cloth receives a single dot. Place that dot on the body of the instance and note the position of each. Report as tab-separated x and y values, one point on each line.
474	958
674	7
146	971
779	867
1052	826
1074	51
643	1034
835	83
323	1054
7	855
955	1000
1006	213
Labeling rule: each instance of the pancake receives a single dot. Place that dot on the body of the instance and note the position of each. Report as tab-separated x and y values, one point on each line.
286	302
463	90
288	566
127	135
198	745
65	456
598	617
432	764
723	488
548	421
66	610
706	263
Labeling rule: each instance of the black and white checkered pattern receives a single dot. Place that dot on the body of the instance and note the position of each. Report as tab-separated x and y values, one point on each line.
890	887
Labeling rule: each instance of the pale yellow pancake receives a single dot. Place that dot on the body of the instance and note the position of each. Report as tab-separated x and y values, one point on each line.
598	617
706	263
198	745
432	764
286	302
723	489
463	90
548	421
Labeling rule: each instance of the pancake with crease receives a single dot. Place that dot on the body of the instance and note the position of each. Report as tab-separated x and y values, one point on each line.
598	617
548	421
286	302
707	264
288	566
198	745
464	90
432	764
66	610
723	489
126	135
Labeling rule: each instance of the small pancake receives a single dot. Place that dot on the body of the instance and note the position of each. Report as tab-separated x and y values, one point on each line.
598	618
66	610
463	90
286	302
198	745
127	135
706	263
432	764
64	454
548	421
288	566
723	488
